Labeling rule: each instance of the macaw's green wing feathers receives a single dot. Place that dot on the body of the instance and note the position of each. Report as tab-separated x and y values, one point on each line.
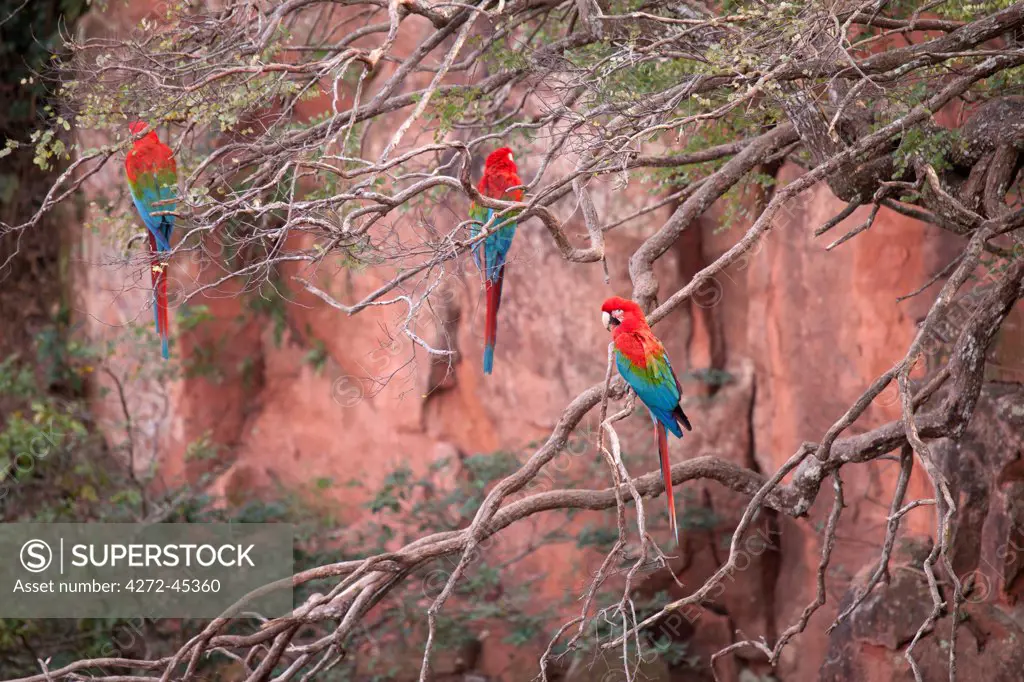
655	385
491	254
479	213
145	199
480	216
496	248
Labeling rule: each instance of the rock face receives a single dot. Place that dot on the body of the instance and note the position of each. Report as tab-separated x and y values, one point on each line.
986	469
869	646
987	544
774	351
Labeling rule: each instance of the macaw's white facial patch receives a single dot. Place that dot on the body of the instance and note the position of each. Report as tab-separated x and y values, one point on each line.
611	319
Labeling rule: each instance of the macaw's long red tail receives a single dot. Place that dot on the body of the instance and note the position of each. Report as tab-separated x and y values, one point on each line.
493	293
666	476
158	271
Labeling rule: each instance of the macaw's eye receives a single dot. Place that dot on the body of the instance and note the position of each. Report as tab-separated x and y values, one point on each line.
617	314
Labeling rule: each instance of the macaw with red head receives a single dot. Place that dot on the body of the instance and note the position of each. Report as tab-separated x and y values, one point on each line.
500	176
642	362
152	180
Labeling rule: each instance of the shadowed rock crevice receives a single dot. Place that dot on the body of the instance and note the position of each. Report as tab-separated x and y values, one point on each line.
706	342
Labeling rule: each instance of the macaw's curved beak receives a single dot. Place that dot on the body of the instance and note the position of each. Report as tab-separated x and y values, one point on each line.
606	320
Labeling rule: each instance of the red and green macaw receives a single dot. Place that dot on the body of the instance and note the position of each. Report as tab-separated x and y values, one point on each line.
500	174
643	363
152	177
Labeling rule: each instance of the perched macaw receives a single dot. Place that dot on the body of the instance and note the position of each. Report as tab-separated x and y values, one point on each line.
643	363
500	174
152	177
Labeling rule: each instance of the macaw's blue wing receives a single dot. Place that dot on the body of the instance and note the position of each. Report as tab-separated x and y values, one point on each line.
656	386
147	190
490	254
